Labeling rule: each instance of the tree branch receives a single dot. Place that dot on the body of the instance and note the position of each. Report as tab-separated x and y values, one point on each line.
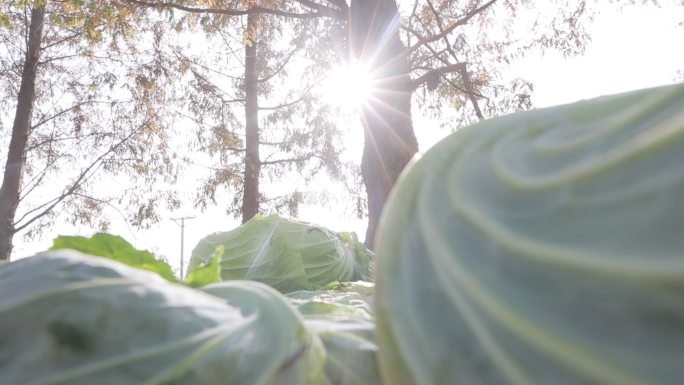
470	91
324	10
455	67
341	4
409	21
67	38
60	113
215	90
49	205
289	160
463	20
111	206
183	58
285	140
229	12
56	58
272	143
277	71
34	182
292	103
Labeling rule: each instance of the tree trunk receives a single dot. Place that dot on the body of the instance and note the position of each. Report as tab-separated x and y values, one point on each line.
389	140
250	197
16	156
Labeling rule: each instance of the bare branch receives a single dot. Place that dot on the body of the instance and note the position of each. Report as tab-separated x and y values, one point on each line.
183	58
438	19
277	71
341	4
272	143
229	12
323	9
56	58
300	159
34	182
46	207
284	141
472	96
215	89
455	67
415	8
111	206
60	113
197	121
409	21
463	20
67	38
292	103
470	91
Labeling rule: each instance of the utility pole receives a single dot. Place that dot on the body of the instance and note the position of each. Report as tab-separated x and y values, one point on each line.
182	226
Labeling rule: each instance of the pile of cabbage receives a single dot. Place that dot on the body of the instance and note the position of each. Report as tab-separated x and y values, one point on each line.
97	310
543	247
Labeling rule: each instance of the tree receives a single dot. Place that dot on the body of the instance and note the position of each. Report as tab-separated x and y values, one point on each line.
75	117
438	54
276	131
250	196
9	192
442	52
389	140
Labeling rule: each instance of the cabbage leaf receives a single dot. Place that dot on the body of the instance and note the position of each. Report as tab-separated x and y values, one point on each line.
116	248
342	318
543	247
67	318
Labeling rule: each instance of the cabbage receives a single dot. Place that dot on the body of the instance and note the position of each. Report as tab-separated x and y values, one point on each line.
285	254
67	318
343	320
544	247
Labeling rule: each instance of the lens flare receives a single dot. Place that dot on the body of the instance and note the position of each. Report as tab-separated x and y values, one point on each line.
348	86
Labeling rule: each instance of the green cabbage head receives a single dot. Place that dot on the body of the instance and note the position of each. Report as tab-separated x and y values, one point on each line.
544	247
286	254
71	319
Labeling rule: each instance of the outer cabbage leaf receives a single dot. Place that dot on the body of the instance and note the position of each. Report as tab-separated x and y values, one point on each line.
116	248
67	318
285	254
207	274
543	247
346	299
343	320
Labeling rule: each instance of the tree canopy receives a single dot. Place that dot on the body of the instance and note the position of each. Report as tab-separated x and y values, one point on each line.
146	106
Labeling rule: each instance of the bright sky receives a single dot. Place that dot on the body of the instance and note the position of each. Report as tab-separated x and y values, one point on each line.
636	48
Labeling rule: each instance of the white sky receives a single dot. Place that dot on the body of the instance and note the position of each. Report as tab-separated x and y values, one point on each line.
637	47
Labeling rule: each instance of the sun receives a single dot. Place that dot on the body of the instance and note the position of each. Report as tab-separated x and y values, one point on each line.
348	86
